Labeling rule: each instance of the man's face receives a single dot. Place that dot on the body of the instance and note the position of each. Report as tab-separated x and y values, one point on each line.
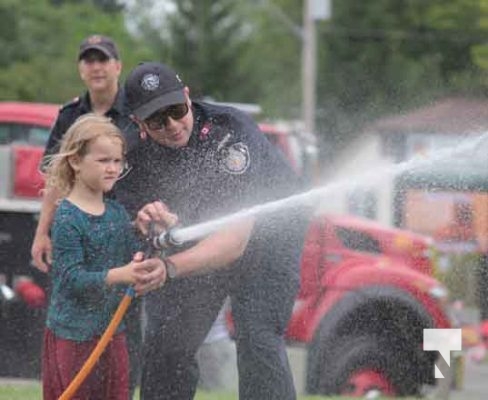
170	126
98	72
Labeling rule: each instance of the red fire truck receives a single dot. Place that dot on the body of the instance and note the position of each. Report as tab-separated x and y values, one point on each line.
367	290
24	129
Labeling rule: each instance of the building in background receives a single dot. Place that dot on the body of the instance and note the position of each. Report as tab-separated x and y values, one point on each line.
441	191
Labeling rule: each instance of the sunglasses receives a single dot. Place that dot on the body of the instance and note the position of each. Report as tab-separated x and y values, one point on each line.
159	119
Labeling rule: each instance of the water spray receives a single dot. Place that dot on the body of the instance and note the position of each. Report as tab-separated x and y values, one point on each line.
179	235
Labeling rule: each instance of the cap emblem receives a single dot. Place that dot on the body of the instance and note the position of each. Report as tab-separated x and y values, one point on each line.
95	39
150	82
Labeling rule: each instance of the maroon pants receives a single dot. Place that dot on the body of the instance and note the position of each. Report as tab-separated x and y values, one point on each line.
62	359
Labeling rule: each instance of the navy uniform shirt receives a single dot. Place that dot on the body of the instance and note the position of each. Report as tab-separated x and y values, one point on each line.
119	113
227	165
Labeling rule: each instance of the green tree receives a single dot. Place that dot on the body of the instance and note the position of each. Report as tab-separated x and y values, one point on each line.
231	50
383	56
374	58
41	42
205	41
479	52
275	56
110	6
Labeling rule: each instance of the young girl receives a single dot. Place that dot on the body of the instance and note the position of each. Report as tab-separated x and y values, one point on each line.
93	262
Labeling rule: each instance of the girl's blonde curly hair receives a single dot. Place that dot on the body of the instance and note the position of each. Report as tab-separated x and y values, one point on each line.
75	142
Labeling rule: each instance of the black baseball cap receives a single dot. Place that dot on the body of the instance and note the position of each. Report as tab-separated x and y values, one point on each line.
151	86
101	43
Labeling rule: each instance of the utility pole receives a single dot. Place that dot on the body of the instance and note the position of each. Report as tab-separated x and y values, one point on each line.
313	10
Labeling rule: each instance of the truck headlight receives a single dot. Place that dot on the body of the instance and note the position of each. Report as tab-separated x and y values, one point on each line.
439	293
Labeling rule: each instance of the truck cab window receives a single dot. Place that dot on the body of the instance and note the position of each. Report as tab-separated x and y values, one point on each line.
23	134
358	241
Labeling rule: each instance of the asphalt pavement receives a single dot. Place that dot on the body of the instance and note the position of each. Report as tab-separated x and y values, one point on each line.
475	382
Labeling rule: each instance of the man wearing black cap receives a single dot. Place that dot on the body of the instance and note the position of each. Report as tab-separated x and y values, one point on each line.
99	67
203	161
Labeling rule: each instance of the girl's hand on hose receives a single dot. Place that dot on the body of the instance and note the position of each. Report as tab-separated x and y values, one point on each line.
151	276
144	274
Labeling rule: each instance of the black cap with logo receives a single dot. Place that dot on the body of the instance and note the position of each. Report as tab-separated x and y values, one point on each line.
152	86
101	43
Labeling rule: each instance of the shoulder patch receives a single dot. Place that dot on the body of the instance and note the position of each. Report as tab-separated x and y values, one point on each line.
236	158
75	101
205	131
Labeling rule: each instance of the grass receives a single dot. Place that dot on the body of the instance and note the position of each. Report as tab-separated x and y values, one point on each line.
32	391
20	392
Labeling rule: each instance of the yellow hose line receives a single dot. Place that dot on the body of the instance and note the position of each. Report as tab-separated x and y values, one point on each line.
99	348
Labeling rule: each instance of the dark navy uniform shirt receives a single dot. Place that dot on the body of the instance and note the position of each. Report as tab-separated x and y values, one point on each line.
119	113
227	165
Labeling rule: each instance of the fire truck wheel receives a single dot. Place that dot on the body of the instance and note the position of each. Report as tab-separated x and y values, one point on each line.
364	365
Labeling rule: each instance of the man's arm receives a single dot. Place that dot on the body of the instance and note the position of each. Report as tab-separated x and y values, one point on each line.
41	249
215	251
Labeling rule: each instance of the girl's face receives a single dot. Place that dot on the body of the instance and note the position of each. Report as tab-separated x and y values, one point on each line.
100	168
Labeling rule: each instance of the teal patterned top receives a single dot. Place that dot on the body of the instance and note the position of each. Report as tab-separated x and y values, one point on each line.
85	247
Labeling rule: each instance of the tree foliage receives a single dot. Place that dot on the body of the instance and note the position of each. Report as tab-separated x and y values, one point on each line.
383	56
40	44
276	54
374	57
231	50
479	52
206	42
109	6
